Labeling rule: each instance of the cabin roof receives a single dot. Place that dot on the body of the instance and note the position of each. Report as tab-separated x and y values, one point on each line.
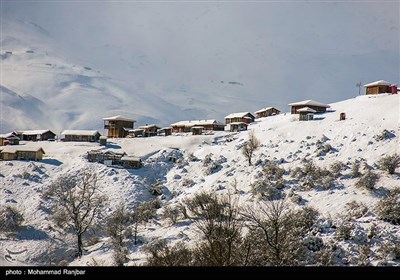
22	148
306	110
80	132
238	115
265	109
309	103
196	123
35	132
130	158
118	118
378	83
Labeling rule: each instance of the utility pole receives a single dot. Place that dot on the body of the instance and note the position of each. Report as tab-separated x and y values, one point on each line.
359	87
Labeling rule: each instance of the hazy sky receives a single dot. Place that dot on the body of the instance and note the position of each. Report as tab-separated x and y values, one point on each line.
262	44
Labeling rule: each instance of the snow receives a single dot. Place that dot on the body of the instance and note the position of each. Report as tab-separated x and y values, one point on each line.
33	132
264	109
195	122
237	115
80	132
281	137
378	83
22	148
309	103
306	109
118	118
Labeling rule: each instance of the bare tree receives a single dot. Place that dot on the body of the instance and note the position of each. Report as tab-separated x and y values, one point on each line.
250	146
273	226
218	220
142	213
76	201
117	228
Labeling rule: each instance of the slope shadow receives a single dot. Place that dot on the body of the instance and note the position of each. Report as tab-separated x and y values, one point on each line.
380	192
31	233
111	146
52	161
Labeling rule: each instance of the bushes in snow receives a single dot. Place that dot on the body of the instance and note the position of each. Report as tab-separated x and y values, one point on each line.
389	163
368	180
355	210
311	176
355	169
211	165
388	209
10	219
270	182
384	135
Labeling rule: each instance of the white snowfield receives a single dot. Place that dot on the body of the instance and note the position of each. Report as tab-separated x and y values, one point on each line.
282	137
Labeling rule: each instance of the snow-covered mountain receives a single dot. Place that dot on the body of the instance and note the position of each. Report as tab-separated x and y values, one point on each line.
183	80
371	130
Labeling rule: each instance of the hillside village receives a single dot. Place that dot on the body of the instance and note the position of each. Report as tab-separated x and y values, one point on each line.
121	127
325	159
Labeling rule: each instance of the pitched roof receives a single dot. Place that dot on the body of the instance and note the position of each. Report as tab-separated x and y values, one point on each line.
118	118
307	110
80	132
149	126
238	115
265	109
378	83
196	123
130	158
35	132
21	148
9	135
309	103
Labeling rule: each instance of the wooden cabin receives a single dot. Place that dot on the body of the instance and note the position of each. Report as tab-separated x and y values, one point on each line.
186	126
380	86
149	129
237	126
22	153
9	139
244	117
165	131
80	135
36	135
131	162
306	114
118	127
105	157
317	106
266	112
137	132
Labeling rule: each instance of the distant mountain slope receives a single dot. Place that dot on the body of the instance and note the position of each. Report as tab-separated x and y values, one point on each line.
78	90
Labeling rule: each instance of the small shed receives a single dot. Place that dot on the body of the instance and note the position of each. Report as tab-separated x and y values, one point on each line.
103	140
138	132
306	114
131	162
342	116
197	130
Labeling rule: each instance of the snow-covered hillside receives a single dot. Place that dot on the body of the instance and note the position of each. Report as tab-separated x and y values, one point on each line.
220	168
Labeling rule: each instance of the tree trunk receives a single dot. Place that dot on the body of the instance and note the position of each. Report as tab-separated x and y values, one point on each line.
80	244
